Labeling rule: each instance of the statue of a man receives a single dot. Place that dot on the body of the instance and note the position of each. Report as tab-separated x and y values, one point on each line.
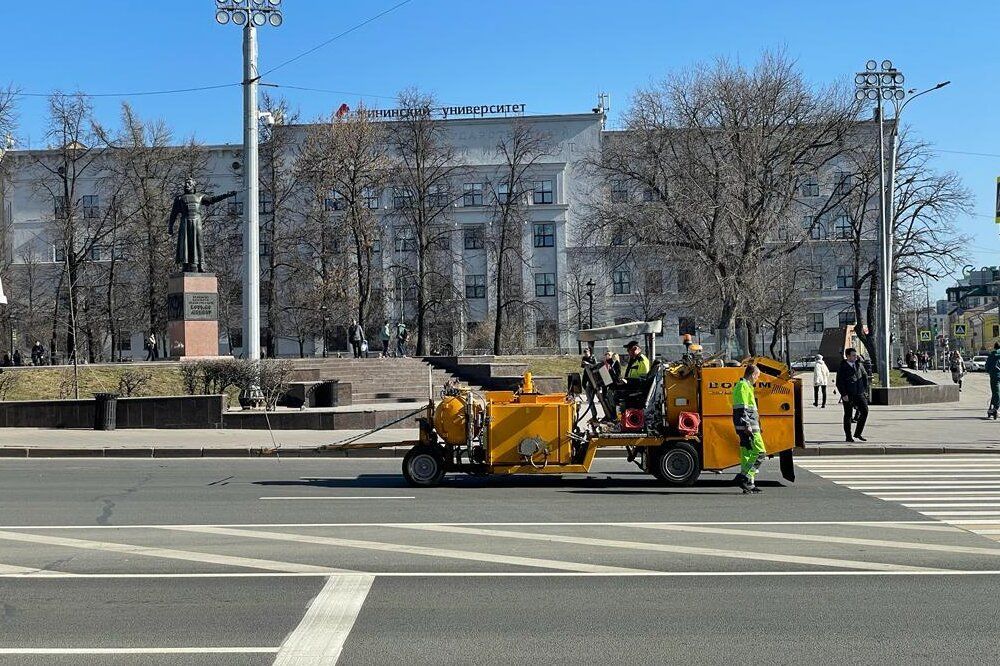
189	206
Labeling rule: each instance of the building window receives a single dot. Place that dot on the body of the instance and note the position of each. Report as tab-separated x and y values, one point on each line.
472	194
686	326
402	197
812	278
437	196
475	286
235	208
502	193
372	197
376	245
545	235
266	203
474	237
684	277
542	192
654	282
816	322
842	183
91	206
404	240
60	209
845	318
619	190
546	333
265	249
336	202
845	277
58	254
406	287
813	227
810	187
545	284
841	227
95	253
621	282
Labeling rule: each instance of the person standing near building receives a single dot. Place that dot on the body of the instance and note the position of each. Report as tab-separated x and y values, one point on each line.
151	347
588	365
821	378
746	420
402	336
384	336
37	353
356	336
957	367
852	383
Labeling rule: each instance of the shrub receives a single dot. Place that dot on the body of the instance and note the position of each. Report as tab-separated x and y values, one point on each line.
133	381
190	372
275	373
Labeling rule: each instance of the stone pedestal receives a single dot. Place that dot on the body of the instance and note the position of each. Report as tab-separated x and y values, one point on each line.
193	315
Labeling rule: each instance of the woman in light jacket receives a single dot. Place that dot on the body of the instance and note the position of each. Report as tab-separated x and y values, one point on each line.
821	379
957	366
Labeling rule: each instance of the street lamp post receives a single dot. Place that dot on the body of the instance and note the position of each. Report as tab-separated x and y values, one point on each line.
118	335
326	323
590	297
250	15
882	82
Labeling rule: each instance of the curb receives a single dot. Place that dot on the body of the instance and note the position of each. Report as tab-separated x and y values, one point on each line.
399	452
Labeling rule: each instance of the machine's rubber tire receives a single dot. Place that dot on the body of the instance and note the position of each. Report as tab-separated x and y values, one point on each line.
423	466
676	463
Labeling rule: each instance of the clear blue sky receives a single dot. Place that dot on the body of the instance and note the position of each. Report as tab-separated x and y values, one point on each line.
555	56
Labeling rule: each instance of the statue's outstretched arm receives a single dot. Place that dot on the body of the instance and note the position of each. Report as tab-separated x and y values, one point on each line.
208	201
174	214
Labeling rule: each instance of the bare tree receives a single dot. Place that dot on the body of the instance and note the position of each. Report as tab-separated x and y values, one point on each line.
517	151
926	242
425	165
720	154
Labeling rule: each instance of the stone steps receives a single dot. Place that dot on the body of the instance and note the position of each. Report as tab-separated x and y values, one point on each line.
376	380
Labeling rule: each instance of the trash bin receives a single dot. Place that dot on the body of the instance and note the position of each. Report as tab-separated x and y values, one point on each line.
105	410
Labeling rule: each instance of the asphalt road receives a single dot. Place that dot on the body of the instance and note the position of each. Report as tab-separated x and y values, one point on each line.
223	561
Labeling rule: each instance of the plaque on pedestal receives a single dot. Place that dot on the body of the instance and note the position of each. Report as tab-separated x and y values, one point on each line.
193	315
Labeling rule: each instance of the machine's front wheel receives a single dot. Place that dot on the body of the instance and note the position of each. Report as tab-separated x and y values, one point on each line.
423	466
676	463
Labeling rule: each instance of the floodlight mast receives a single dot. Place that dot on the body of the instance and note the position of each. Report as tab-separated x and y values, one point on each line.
249	14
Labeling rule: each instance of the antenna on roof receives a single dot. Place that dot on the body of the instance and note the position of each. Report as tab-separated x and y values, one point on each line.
603	103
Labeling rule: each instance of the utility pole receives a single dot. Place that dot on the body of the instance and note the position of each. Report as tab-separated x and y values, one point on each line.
250	14
877	84
590	296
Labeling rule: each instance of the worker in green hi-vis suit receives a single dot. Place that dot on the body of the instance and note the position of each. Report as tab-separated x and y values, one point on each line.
747	422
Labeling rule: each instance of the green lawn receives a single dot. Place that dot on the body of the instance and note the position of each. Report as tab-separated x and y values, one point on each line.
546	366
48	383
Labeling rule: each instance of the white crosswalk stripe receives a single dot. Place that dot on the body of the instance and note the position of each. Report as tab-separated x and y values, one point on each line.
960	490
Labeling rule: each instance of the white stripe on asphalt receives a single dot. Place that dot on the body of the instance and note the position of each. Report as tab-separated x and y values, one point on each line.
952	505
668	548
410	549
167	553
132	650
961	513
939	494
545	574
818	538
26	571
342	497
986	476
320	636
870	485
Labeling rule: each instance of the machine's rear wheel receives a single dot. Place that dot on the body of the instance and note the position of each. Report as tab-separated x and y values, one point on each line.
676	463
423	466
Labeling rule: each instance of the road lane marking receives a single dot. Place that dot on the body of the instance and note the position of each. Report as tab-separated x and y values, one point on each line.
134	650
410	549
900	524
668	548
33	572
818	538
167	553
538	574
341	497
953	504
320	636
961	513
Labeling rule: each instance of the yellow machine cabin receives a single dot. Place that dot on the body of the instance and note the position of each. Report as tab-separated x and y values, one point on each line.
673	423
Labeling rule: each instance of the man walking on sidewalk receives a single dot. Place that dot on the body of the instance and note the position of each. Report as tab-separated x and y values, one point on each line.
993	368
852	382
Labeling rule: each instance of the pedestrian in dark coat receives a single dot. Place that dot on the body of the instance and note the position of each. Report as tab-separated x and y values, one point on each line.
852	384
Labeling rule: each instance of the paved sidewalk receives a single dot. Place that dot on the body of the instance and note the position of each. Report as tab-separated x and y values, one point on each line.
937	428
958	427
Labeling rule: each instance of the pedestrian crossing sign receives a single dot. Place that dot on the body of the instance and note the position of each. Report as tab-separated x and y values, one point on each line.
959	330
925	336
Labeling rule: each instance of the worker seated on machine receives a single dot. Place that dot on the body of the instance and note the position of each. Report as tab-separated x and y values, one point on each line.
634	384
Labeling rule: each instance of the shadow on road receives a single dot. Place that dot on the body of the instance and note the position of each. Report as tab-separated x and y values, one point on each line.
623	482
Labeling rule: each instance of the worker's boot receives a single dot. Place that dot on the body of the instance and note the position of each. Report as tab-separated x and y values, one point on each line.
747	485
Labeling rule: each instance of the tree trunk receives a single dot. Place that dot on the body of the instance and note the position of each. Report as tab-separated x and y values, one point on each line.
726	327
498	310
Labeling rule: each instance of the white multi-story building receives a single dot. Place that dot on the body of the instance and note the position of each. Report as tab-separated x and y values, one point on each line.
553	243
